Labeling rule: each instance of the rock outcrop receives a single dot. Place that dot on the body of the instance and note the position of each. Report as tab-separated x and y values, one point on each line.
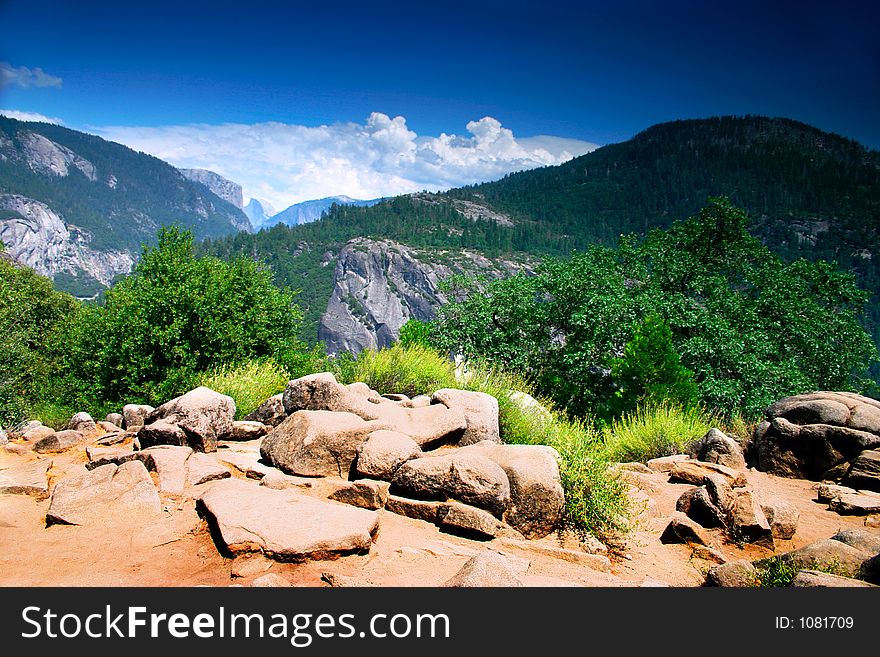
202	415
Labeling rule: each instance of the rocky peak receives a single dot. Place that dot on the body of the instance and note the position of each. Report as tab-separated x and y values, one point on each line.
46	157
222	187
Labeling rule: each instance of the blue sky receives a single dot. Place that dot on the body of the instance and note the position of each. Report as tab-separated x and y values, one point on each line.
294	77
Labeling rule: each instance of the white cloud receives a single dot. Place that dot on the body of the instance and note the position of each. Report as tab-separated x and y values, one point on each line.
287	163
22	76
30	116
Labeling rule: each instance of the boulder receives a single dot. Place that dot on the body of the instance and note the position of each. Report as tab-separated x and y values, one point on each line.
816	578
665	463
135	415
858	505
429	511
59	441
739	574
204	415
81	422
860	539
865	471
383	452
682	529
530	405
270	412
161	432
828	492
782	515
322	392
480	412
99	456
115	419
537	499
37	433
317	443
365	493
284	524
109	427
718	447
122	492
844	559
870	570
471	521
695	472
816	435
747	520
486	568
169	463
247	430
465	477
28	479
698	505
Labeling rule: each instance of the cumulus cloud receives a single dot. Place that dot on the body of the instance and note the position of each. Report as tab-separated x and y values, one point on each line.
287	163
30	116
22	76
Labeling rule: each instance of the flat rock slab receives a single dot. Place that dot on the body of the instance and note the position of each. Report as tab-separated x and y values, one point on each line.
59	441
694	472
248	463
284	524
28	479
202	468
124	491
816	578
169	462
859	504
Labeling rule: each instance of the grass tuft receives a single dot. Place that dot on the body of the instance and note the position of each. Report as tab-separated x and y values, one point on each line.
249	383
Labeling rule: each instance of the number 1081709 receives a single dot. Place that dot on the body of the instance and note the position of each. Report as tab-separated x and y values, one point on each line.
815	623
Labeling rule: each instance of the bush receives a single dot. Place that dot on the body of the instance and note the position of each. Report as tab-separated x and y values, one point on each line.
175	316
654	431
411	371
415	333
779	571
249	383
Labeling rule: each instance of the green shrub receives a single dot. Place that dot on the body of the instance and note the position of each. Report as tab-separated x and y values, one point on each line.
414	370
779	571
249	383
415	332
175	316
654	431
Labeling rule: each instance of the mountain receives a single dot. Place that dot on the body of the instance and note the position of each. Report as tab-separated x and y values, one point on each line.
810	194
222	187
258	211
77	208
308	211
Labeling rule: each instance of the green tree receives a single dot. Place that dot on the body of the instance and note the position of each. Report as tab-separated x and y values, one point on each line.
650	370
174	316
415	333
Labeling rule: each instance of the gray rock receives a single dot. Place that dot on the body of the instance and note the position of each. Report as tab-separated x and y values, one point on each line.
317	443
858	505
161	432
682	529
204	415
738	574
860	539
247	430
270	412
115	419
717	447
782	515
135	415
816	578
28	479
383	452
59	441
82	422
202	468
284	524
480	413
122	492
865	471
469	478
486	568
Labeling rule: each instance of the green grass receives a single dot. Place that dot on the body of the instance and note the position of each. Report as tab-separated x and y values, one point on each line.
411	371
249	384
779	571
654	431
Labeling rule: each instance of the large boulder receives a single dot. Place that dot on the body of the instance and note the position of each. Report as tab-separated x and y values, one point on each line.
736	574
383	452
37	433
271	412
465	477
116	419
204	416
480	412
317	443
284	524
864	472
134	415
718	447
537	499
59	441
829	553
247	430
28	479
82	422
109	492
816	435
